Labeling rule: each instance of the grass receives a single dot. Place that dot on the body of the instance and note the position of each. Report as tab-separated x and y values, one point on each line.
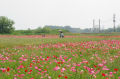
11	42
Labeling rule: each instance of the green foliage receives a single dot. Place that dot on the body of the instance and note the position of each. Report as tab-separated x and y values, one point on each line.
44	30
6	25
68	28
23	32
39	31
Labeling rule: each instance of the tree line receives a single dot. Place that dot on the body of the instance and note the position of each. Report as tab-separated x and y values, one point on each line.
38	31
6	27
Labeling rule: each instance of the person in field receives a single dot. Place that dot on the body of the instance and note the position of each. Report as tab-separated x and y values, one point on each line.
61	35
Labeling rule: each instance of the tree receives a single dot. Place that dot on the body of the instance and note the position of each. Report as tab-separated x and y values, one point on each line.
6	25
38	30
46	30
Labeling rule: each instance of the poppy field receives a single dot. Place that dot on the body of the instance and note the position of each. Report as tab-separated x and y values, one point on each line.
86	57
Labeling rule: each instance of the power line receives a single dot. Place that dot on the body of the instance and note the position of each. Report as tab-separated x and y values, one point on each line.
99	25
93	25
114	21
99	28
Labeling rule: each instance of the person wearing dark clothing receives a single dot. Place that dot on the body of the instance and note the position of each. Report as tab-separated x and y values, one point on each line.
61	35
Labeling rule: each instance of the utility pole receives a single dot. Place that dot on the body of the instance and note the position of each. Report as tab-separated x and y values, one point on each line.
99	25
114	16
93	25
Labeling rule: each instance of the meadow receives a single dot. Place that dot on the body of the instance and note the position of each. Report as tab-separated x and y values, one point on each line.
72	57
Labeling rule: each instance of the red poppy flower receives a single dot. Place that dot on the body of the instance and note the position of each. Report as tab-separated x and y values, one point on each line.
59	75
38	62
115	69
61	62
95	66
55	56
26	70
8	69
30	70
45	59
58	62
103	74
98	68
65	77
48	57
45	69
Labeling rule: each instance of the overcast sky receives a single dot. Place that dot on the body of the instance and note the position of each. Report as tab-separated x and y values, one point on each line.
77	13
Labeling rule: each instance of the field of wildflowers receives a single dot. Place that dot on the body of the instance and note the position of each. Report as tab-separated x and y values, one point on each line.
85	57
